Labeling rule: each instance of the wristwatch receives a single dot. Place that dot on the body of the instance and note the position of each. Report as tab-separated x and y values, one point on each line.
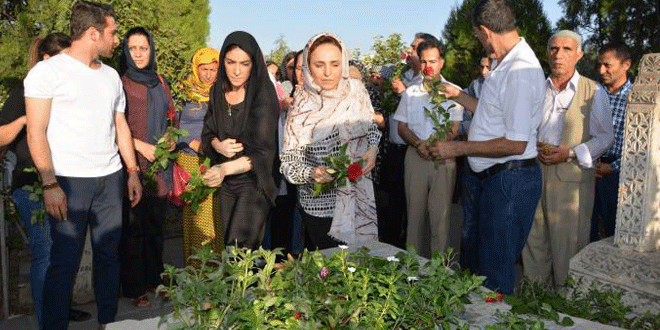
571	155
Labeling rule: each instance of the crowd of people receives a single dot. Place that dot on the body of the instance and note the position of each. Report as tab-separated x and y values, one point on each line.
534	160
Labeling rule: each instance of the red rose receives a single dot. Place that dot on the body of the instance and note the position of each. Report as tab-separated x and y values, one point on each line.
202	169
500	297
171	113
354	171
404	57
490	300
428	71
297	316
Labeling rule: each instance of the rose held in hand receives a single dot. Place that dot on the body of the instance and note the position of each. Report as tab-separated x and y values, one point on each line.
428	71
354	171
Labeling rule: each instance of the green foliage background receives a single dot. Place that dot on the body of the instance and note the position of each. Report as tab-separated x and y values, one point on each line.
634	22
463	49
386	51
179	28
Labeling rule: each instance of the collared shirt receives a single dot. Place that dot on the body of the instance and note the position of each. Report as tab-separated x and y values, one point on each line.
408	79
411	109
618	102
600	120
510	106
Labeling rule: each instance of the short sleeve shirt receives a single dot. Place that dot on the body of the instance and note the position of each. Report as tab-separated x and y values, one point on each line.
81	130
510	106
411	110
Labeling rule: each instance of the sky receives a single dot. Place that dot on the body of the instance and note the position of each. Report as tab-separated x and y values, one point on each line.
355	21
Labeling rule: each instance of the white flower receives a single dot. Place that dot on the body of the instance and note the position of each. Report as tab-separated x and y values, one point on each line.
392	259
343	247
412	278
351	269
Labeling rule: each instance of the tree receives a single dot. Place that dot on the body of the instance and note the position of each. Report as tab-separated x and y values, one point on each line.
179	29
601	21
281	49
385	51
463	49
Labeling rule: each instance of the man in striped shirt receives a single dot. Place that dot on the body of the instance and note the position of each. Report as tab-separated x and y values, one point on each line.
613	65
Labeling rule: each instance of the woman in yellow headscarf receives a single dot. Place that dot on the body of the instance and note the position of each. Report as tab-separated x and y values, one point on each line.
199	229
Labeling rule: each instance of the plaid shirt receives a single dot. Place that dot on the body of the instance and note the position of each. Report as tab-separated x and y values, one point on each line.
618	103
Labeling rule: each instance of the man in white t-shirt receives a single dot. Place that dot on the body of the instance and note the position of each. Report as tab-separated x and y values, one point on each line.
501	146
76	127
429	186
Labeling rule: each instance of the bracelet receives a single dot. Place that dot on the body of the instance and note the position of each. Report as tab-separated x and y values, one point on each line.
50	185
135	169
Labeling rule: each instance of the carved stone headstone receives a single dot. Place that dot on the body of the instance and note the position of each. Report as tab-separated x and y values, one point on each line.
638	211
630	262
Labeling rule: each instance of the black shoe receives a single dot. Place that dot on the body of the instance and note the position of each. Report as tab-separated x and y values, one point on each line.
79	316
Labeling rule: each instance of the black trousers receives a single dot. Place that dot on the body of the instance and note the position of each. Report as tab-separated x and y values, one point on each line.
281	219
392	224
317	232
141	250
244	209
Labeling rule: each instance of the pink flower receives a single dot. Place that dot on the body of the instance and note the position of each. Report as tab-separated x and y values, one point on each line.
323	272
297	315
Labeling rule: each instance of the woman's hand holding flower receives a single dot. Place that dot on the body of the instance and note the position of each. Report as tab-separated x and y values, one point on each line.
214	175
320	174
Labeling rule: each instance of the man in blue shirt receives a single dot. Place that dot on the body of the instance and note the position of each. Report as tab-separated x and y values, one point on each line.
613	65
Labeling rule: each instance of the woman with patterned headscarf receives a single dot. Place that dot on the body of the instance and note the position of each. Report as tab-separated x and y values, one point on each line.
199	228
331	110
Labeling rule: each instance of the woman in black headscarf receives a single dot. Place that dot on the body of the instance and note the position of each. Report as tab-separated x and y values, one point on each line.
148	102
239	135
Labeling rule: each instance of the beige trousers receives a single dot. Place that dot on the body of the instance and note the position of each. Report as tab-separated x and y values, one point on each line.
561	228
429	190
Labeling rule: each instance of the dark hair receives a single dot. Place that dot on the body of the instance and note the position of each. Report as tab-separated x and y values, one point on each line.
424	36
620	49
87	14
139	30
50	45
496	15
285	60
269	63
320	41
294	79
428	44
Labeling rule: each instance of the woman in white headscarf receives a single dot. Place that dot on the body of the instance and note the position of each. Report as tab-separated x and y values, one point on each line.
331	110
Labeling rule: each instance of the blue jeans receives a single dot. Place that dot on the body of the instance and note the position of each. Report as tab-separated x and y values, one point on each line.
97	203
470	191
40	243
607	195
506	206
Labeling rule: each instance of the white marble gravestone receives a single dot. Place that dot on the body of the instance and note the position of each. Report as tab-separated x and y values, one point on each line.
630	261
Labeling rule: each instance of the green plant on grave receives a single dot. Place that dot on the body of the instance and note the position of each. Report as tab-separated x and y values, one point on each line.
242	289
602	306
